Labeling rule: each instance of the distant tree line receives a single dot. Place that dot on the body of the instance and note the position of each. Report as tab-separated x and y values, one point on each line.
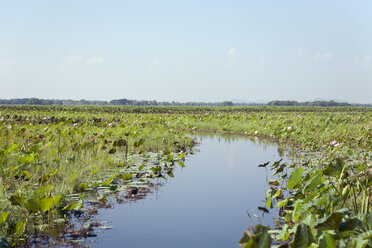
37	101
127	102
118	102
314	103
317	104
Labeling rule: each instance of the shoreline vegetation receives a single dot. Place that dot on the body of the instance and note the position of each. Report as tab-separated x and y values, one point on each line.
53	156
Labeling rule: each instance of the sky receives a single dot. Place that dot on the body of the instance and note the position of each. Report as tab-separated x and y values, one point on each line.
186	50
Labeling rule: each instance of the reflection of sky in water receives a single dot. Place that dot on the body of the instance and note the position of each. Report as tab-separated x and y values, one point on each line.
204	205
230	156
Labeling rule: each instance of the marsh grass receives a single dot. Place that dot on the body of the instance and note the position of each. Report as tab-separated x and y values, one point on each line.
51	156
48	158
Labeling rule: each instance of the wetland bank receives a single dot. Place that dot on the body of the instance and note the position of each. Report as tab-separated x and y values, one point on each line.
61	163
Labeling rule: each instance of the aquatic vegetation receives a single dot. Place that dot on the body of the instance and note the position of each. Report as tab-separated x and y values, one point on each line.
323	206
324	197
54	160
50	161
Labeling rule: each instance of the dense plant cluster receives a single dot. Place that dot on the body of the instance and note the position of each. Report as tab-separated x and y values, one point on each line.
49	160
52	156
324	196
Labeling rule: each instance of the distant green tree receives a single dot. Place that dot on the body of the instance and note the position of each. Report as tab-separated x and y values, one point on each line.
227	103
34	101
283	103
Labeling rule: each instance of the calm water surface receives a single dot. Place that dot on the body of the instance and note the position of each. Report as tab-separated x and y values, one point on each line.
204	205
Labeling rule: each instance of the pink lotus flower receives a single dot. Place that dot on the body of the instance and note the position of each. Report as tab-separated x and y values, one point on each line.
334	143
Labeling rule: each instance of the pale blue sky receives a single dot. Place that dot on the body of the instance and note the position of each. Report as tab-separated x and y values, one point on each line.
186	50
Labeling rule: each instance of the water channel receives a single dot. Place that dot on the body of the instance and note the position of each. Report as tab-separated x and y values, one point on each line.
204	205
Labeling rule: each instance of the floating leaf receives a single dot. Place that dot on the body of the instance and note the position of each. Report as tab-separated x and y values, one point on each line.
73	206
87	225
106	183
295	178
170	173
276	163
282	203
263	209
105	227
181	164
180	156
264	164
126	177
274	182
70	206
83	186
277	193
155	169
280	169
170	158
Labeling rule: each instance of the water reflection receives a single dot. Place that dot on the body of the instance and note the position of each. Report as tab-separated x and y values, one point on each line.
204	205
